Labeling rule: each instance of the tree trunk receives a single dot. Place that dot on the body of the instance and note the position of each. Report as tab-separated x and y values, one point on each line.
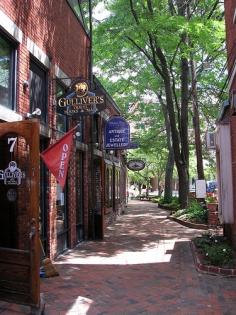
183	186
196	124
171	160
169	176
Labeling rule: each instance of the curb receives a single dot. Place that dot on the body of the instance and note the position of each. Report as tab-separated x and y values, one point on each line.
189	224
165	207
213	270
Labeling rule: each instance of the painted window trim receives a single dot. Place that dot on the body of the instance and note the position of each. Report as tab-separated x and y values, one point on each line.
10	27
62	76
38	53
9	115
13	71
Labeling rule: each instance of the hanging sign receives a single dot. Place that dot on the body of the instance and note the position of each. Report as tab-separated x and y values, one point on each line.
117	133
57	157
80	101
135	165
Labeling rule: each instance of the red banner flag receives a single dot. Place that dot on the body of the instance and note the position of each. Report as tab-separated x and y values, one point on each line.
57	156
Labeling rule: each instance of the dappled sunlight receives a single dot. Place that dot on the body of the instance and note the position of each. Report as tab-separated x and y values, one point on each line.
143	266
82	304
143	236
153	252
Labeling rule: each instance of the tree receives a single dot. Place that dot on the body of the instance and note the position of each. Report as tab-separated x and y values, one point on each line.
160	31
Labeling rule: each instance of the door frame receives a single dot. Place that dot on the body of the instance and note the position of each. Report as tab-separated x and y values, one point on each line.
17	259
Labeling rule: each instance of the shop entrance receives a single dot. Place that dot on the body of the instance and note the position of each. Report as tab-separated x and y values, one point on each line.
19	213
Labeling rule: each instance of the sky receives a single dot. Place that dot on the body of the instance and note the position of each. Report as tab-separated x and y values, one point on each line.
100	12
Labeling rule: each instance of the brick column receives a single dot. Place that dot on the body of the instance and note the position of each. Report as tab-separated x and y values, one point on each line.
212	214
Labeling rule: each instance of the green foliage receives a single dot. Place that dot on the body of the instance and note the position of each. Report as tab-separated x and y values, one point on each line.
211	199
124	58
194	213
216	250
172	204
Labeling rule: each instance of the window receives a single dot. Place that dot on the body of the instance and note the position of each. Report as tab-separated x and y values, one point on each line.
61	118
79	197
62	219
96	128
38	89
117	184
109	186
7	78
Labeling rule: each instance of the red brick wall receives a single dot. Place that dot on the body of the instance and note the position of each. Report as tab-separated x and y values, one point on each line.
233	148
230	7
52	25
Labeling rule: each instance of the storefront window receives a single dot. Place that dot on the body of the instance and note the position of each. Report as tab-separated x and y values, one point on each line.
79	195
109	186
117	187
7	53
62	222
61	118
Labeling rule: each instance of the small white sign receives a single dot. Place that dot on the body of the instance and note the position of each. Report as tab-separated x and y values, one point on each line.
12	175
200	188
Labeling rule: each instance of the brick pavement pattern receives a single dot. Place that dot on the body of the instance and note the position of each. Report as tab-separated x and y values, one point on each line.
144	266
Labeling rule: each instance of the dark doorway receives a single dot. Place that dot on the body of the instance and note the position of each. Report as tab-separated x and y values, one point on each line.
8	209
80	205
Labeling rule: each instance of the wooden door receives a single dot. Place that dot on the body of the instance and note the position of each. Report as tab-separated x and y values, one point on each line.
19	212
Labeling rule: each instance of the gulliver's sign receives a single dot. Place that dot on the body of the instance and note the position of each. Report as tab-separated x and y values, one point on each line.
79	100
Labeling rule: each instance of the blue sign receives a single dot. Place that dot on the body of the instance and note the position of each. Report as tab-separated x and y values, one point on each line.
117	134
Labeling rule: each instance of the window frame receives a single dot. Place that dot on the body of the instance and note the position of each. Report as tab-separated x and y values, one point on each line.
44	108
63	87
13	68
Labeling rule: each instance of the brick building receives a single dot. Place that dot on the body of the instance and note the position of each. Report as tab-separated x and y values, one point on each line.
44	48
226	133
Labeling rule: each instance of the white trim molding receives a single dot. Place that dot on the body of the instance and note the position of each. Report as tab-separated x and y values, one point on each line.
61	75
38	53
9	115
8	25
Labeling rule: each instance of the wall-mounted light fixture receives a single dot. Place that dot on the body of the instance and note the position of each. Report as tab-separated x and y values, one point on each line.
35	113
25	86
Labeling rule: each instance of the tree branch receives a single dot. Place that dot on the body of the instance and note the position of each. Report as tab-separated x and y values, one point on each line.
134	12
150	8
157	68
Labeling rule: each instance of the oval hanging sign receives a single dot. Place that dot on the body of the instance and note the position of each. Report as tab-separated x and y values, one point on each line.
135	165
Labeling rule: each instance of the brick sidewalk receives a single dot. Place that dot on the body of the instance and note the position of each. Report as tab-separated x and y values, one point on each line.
143	266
